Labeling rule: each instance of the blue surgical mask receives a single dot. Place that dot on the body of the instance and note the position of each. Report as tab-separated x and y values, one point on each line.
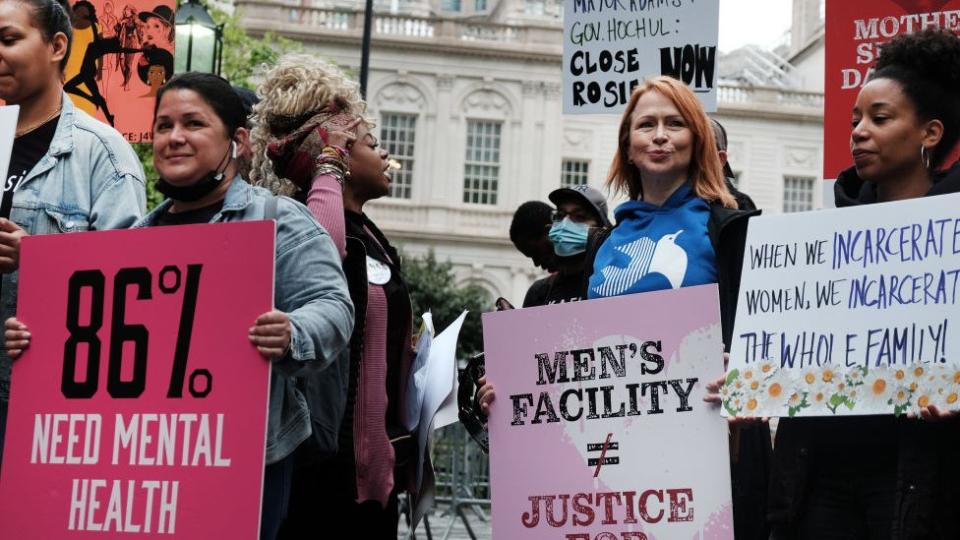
569	238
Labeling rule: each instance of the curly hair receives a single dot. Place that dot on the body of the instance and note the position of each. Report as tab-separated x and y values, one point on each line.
926	65
294	90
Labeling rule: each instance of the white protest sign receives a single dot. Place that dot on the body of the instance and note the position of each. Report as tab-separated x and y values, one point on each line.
8	131
611	46
849	312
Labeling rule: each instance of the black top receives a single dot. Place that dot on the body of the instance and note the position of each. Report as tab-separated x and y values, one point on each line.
555	289
27	151
190	217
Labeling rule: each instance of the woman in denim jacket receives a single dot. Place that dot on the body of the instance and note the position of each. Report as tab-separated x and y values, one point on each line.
68	172
197	128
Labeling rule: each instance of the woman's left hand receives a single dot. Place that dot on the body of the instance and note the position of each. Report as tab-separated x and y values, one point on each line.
10	236
934	413
271	333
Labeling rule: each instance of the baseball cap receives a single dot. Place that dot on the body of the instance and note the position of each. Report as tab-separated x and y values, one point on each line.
587	194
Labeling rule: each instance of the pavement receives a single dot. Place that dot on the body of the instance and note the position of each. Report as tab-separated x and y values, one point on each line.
440	521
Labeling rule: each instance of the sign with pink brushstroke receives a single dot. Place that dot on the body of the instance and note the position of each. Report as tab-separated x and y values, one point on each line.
140	408
599	430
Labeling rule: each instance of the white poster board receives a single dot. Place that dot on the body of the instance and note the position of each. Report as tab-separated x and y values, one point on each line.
611	46
8	130
849	311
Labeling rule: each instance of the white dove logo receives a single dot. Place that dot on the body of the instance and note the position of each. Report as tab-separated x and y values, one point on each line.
646	257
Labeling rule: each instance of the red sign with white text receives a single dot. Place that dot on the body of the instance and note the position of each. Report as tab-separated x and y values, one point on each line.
854	31
140	408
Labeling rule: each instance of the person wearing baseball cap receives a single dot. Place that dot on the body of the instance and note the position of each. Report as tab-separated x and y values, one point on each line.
581	211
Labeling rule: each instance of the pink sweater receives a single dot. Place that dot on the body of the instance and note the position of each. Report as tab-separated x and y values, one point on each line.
373	452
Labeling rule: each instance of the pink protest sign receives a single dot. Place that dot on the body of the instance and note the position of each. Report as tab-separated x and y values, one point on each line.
599	430
140	408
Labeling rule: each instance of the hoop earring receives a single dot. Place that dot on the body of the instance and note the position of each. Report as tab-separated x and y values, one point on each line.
924	157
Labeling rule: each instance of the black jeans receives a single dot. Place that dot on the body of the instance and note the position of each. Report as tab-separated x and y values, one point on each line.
277	479
4	405
850	501
322	505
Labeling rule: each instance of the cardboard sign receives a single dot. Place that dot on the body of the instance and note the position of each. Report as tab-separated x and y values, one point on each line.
140	408
609	48
121	54
855	29
849	311
599	429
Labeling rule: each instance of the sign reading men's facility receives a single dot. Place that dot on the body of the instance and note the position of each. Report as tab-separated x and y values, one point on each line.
599	430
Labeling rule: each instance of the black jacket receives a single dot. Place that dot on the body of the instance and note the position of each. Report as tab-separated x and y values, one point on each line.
927	500
341	469
750	449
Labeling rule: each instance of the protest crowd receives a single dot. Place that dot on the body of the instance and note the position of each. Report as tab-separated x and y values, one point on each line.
339	339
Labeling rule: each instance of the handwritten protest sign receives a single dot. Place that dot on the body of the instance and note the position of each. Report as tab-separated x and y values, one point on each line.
610	47
599	430
849	311
120	56
140	407
854	30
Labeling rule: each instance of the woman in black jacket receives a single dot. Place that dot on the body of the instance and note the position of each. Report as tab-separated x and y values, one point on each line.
881	477
687	230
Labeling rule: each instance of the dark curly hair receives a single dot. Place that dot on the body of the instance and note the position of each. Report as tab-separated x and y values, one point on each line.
927	67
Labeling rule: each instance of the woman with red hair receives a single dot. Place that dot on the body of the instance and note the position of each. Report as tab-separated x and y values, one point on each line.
681	227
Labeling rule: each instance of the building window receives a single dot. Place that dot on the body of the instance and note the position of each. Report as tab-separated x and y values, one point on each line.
482	167
798	193
450	5
534	7
575	172
480	5
398	135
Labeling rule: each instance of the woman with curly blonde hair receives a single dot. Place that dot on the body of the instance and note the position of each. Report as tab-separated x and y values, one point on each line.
312	141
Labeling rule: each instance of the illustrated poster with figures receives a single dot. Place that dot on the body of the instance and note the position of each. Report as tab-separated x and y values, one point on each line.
599	430
140	408
122	53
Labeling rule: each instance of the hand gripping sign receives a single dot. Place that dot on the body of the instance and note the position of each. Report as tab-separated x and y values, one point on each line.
599	430
140	407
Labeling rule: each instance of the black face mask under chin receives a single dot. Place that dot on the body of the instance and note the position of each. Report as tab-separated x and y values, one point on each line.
199	189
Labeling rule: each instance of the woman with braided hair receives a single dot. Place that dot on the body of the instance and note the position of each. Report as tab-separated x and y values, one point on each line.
312	140
881	477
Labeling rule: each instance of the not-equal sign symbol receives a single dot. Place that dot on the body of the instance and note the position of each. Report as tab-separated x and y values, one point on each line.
604	459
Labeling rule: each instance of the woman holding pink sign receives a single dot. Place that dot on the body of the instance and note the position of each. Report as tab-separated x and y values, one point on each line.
68	172
880	477
681	228
199	126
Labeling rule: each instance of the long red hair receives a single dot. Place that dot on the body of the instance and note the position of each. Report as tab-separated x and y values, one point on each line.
706	171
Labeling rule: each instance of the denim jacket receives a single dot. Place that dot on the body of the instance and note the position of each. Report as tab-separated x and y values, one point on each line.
311	289
89	179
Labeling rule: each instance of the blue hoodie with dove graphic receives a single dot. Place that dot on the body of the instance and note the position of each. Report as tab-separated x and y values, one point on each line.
656	247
